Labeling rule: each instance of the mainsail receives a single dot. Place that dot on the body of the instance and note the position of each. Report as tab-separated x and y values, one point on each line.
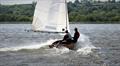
50	16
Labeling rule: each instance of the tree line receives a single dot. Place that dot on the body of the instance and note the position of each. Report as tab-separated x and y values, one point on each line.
94	11
84	11
14	13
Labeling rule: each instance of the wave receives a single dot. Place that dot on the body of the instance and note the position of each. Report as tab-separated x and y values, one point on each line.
84	46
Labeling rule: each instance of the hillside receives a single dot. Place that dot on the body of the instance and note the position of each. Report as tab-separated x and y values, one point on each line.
87	12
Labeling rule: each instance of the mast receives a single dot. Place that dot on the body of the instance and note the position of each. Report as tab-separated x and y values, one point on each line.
66	14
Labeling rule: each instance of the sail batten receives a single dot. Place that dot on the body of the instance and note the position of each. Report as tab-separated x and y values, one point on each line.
51	16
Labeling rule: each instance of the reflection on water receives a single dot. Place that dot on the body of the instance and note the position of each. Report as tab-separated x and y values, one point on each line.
97	46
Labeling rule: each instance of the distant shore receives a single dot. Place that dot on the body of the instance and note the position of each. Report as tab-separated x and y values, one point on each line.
86	13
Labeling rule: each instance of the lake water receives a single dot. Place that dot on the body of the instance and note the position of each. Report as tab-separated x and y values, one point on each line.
98	45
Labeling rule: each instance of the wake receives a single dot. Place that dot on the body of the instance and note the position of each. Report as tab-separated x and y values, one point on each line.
32	46
83	46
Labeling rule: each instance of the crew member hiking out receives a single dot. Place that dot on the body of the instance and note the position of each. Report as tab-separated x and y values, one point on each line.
67	38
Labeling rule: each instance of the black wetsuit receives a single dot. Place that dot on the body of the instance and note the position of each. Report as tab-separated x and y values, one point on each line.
76	36
67	39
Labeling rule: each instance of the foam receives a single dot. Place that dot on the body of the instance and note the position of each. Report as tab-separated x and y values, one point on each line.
83	46
31	46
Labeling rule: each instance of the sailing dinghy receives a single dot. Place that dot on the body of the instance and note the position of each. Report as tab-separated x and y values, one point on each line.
51	16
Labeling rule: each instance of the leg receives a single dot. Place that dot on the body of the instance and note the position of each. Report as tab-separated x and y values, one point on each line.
56	43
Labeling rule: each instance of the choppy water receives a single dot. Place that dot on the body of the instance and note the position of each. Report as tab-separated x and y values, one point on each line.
98	45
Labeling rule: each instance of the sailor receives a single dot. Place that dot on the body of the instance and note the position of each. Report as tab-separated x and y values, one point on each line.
67	39
76	35
67	36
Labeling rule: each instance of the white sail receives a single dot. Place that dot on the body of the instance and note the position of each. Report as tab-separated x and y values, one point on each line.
50	16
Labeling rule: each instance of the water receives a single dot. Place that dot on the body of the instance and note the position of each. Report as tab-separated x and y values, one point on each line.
98	45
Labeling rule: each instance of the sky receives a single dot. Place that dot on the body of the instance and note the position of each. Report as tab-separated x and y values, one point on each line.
23	1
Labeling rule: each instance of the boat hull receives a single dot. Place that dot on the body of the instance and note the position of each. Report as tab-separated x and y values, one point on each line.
58	44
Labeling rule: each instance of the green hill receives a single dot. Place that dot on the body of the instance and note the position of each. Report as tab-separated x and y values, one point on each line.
85	12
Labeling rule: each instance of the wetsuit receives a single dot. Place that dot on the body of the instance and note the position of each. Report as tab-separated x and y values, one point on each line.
67	38
76	36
